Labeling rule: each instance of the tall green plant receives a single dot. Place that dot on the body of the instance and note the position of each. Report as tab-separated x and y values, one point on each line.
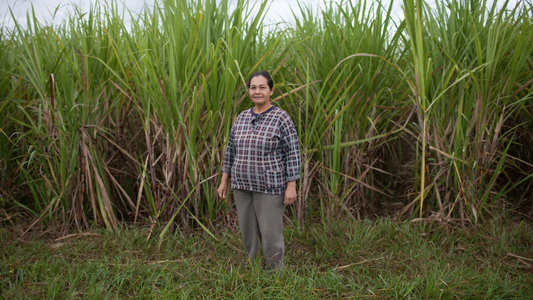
463	58
341	58
104	121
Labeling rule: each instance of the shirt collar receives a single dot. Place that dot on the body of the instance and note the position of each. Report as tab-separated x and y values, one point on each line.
263	113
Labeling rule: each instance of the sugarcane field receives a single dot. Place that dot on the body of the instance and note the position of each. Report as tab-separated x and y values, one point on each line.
390	144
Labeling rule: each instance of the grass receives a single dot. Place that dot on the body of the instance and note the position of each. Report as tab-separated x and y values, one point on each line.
381	259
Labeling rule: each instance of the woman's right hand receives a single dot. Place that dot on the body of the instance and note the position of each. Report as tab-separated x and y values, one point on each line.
222	189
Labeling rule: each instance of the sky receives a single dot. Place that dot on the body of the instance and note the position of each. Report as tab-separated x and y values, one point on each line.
280	10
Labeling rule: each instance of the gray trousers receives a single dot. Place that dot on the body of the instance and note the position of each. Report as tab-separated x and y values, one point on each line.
261	220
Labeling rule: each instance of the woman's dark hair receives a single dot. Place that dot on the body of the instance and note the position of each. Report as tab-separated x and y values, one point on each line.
264	74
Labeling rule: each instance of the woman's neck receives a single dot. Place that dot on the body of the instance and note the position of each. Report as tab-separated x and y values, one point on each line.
262	108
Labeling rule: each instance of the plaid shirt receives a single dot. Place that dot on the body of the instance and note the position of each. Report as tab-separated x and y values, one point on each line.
263	153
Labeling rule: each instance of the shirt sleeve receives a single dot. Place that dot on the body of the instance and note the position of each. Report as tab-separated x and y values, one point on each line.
291	150
229	156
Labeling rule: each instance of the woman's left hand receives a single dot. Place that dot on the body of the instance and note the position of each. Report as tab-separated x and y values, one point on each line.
290	193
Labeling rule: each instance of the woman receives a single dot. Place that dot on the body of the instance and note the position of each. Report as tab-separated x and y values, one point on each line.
263	160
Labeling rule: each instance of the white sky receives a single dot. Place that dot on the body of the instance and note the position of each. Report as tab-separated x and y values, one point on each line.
279	10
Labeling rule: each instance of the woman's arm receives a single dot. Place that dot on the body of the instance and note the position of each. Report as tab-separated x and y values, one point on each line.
227	163
291	159
291	150
229	155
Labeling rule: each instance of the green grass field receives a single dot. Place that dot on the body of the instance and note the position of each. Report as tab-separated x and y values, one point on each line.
374	260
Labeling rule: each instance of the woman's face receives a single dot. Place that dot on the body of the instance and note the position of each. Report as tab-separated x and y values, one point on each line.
259	90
